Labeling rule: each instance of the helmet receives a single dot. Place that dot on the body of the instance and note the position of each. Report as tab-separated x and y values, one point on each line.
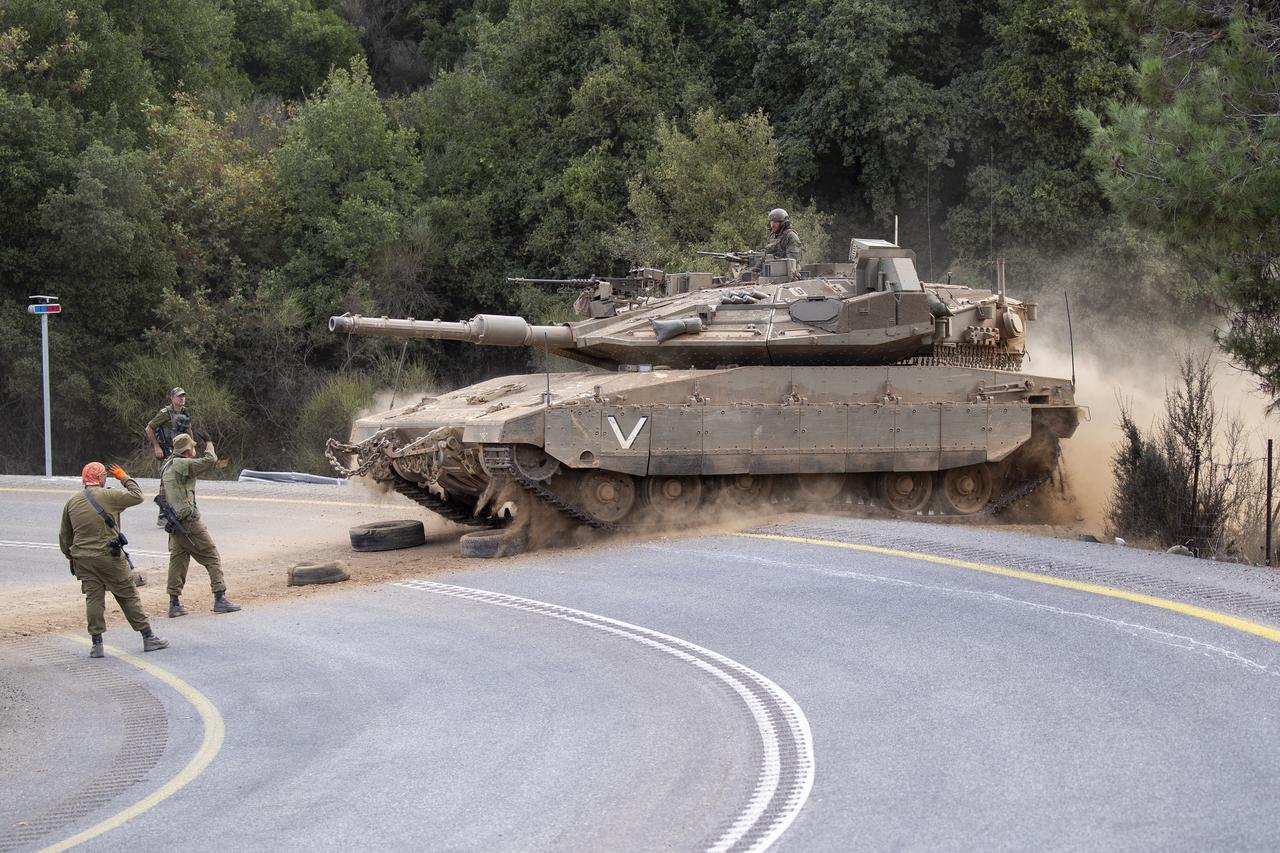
779	215
93	474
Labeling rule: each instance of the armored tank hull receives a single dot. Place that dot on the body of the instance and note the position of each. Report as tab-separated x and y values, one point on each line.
610	449
797	384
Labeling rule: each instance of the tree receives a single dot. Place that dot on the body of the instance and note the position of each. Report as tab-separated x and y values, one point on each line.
1194	160
709	190
288	47
346	180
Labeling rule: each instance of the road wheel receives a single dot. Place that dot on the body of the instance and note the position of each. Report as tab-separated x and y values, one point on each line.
497	542
906	491
965	490
820	489
608	495
309	573
673	498
387	535
741	491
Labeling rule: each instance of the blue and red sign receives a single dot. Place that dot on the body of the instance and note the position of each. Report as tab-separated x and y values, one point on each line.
47	308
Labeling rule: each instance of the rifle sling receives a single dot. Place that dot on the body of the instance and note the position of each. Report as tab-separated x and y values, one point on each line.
111	525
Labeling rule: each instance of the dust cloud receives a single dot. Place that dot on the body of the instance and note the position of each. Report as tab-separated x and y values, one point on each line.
1130	362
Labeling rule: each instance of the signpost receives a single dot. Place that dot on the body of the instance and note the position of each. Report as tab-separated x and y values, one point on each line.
44	307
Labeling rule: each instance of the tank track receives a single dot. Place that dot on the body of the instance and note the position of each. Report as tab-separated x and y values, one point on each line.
1012	496
499	459
441	507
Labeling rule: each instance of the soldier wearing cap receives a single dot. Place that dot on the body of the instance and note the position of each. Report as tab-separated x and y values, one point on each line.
170	422
178	489
90	539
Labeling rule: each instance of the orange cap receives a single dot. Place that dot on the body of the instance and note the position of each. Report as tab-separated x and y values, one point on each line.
93	474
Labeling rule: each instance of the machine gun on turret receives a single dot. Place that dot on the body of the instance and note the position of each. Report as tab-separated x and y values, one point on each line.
600	294
742	258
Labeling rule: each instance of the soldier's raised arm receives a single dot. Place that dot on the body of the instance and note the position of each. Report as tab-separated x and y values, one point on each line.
131	496
205	461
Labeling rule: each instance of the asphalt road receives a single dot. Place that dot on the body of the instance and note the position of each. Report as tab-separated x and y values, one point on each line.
813	686
251	520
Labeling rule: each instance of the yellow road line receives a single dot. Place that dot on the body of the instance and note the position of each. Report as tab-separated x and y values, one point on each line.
1234	622
214	731
68	493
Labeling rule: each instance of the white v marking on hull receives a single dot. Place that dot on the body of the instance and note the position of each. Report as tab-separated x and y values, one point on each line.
625	443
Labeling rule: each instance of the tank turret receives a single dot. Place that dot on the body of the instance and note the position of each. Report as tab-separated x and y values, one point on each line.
873	310
800	384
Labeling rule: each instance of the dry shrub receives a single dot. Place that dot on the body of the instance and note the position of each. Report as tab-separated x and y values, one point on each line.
1189	481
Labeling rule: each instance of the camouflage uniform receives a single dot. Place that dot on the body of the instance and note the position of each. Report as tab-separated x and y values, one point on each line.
85	540
178	487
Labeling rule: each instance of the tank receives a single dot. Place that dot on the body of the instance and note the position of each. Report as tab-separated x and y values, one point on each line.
810	385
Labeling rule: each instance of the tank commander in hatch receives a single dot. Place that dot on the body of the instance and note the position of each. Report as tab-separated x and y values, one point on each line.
90	538
188	537
783	241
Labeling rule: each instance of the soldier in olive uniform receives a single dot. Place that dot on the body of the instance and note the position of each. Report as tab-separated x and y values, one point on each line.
170	422
783	242
97	556
178	489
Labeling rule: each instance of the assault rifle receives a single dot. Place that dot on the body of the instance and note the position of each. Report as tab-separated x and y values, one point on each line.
171	522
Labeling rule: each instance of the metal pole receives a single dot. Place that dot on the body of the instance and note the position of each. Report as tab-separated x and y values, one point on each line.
1268	519
44	364
1071	339
396	390
1195	488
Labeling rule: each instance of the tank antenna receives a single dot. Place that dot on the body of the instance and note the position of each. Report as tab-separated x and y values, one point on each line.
396	388
546	367
1070	339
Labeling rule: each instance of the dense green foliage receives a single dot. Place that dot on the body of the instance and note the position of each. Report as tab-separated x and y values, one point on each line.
1194	159
202	182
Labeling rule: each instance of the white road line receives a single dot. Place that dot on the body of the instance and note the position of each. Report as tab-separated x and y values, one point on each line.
753	819
46	546
1133	629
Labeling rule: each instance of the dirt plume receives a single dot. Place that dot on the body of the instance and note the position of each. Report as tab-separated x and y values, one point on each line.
1133	364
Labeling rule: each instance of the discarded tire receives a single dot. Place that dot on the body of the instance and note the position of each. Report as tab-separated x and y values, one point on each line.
500	542
332	572
387	535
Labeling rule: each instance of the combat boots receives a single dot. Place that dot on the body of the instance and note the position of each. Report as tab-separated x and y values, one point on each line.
95	651
152	643
222	604
175	608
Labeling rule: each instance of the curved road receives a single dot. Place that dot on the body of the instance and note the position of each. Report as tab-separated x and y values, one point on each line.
824	684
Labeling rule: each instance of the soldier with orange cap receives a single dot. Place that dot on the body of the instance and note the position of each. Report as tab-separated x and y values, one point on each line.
91	539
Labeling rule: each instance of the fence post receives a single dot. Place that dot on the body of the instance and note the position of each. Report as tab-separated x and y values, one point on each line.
1269	469
1195	488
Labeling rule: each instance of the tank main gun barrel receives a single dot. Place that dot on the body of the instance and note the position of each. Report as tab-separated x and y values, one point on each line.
494	330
